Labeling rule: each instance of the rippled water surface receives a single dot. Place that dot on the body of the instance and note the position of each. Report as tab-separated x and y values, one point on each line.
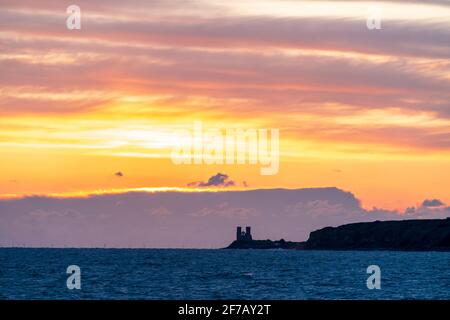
222	274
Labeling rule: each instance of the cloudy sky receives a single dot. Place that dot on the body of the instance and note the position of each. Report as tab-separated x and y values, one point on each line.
93	110
187	219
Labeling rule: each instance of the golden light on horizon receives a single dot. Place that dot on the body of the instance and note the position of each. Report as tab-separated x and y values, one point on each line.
362	110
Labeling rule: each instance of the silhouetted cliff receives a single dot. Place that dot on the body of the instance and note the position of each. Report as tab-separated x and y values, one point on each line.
384	235
378	235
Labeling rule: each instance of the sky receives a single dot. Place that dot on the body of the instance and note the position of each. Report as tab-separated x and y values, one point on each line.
175	219
94	111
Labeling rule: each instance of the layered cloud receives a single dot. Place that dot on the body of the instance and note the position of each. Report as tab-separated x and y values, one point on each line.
184	219
306	66
136	69
218	180
432	203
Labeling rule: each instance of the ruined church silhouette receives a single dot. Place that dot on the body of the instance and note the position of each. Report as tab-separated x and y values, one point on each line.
243	235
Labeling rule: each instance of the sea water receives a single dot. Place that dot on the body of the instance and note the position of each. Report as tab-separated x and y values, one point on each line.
222	274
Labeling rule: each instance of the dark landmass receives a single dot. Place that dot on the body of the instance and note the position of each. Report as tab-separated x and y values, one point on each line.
265	244
413	235
386	235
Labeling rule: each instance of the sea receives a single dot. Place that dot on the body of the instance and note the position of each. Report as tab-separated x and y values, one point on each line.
169	274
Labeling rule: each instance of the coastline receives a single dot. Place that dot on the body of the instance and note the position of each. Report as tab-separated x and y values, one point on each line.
403	235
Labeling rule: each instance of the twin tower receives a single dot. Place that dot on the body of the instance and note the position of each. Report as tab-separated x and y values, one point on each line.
243	235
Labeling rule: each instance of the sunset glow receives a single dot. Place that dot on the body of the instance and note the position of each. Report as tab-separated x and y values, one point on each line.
365	111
